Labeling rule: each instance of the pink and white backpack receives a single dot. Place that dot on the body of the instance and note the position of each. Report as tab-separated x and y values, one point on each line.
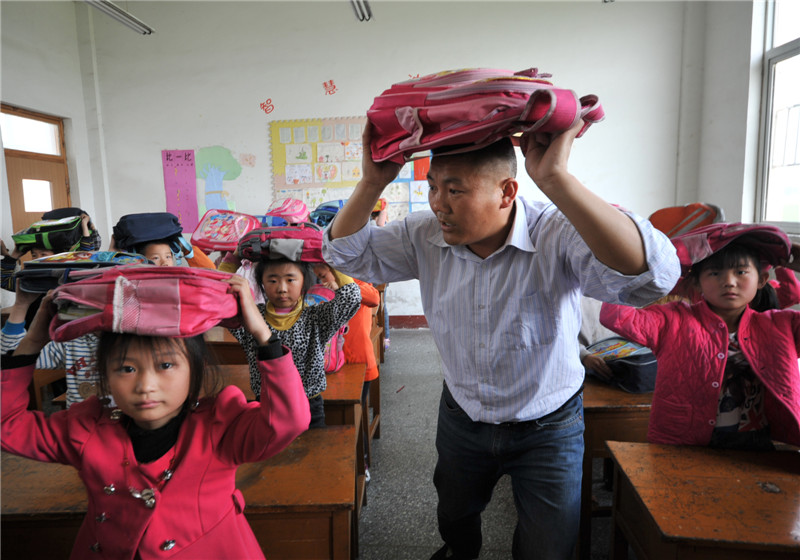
220	230
473	107
334	349
286	211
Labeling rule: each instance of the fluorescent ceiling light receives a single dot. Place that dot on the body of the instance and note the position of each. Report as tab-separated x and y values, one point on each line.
125	18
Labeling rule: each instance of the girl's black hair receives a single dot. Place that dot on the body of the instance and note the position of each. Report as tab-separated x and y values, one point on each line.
205	379
306	270
731	256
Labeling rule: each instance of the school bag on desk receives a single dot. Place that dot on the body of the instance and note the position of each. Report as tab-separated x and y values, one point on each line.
46	273
473	107
633	366
334	348
63	234
220	230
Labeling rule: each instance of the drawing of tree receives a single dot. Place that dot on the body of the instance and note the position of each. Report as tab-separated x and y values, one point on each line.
216	164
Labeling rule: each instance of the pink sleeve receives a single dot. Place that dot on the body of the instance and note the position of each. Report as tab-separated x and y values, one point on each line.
256	431
787	287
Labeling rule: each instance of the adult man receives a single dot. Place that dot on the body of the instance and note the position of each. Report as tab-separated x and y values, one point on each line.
501	280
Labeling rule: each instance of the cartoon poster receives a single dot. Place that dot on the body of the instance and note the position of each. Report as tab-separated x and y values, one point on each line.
180	185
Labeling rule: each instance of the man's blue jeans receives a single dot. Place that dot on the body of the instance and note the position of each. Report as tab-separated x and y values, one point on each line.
544	459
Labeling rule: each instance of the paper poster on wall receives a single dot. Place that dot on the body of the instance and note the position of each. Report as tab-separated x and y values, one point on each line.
319	160
312	153
216	164
180	186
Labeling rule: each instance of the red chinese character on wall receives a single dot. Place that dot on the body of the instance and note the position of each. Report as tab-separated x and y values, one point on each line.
267	106
330	88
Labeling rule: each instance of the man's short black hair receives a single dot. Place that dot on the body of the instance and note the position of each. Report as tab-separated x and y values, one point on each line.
501	152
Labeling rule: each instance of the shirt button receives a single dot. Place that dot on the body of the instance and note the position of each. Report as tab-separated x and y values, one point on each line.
102	518
721	325
109	489
482	345
481	306
712	422
715	384
720	355
168	545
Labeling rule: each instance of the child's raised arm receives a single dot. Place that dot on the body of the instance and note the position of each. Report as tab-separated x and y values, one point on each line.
252	320
38	334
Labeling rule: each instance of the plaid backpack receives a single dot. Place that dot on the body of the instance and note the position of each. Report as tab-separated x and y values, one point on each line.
475	107
298	243
334	349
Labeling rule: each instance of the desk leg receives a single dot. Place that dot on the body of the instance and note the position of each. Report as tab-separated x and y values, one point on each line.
584	547
618	549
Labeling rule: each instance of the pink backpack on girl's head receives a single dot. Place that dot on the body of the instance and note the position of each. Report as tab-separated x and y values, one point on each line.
473	107
334	349
220	230
285	212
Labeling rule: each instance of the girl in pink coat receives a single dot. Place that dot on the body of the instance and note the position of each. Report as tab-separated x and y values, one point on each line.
159	468
727	373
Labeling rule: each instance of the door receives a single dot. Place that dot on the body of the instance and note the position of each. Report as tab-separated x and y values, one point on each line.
36	165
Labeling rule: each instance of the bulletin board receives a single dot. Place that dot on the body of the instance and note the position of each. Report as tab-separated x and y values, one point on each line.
317	160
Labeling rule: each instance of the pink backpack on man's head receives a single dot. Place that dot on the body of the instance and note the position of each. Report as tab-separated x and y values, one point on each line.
475	107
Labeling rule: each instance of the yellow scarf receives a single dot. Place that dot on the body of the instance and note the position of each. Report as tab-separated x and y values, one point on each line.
283	321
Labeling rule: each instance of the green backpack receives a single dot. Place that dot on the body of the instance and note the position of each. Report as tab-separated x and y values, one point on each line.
59	235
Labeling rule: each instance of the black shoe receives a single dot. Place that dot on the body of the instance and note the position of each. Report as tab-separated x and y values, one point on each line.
446	553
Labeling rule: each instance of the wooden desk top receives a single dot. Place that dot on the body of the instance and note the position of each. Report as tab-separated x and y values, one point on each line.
742	498
345	385
286	481
280	483
601	397
220	334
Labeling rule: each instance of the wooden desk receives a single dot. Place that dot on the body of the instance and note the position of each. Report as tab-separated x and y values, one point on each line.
683	502
299	503
225	346
609	414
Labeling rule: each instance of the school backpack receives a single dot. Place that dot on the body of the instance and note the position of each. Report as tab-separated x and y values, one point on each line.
325	212
220	230
59	235
47	273
633	366
134	229
285	212
677	220
334	348
169	301
297	243
473	107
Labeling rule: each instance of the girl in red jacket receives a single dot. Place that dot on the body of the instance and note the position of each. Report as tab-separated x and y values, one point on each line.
159	468
727	369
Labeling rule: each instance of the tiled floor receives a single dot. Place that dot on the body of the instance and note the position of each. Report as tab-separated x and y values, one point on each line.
399	520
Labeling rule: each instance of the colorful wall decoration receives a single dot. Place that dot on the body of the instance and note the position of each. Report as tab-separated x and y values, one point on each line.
180	186
317	160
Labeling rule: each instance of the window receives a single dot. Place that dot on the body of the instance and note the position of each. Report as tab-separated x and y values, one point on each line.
779	179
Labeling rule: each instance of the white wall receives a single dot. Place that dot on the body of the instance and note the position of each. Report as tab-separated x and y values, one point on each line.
658	68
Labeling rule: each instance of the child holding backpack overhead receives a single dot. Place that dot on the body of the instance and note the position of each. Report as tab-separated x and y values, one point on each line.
727	364
304	329
159	469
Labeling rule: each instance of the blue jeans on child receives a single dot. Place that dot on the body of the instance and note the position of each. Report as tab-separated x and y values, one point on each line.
544	458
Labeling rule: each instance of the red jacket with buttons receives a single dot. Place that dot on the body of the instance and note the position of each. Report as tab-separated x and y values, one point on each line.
198	513
691	345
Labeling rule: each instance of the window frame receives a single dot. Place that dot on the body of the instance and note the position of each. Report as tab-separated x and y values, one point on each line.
772	57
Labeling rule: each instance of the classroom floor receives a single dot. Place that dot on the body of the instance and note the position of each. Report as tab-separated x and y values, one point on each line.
399	520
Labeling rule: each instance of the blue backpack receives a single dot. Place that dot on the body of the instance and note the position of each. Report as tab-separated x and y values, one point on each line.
325	212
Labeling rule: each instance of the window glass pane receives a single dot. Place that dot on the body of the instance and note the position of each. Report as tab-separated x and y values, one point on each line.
37	195
30	135
783	178
787	22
